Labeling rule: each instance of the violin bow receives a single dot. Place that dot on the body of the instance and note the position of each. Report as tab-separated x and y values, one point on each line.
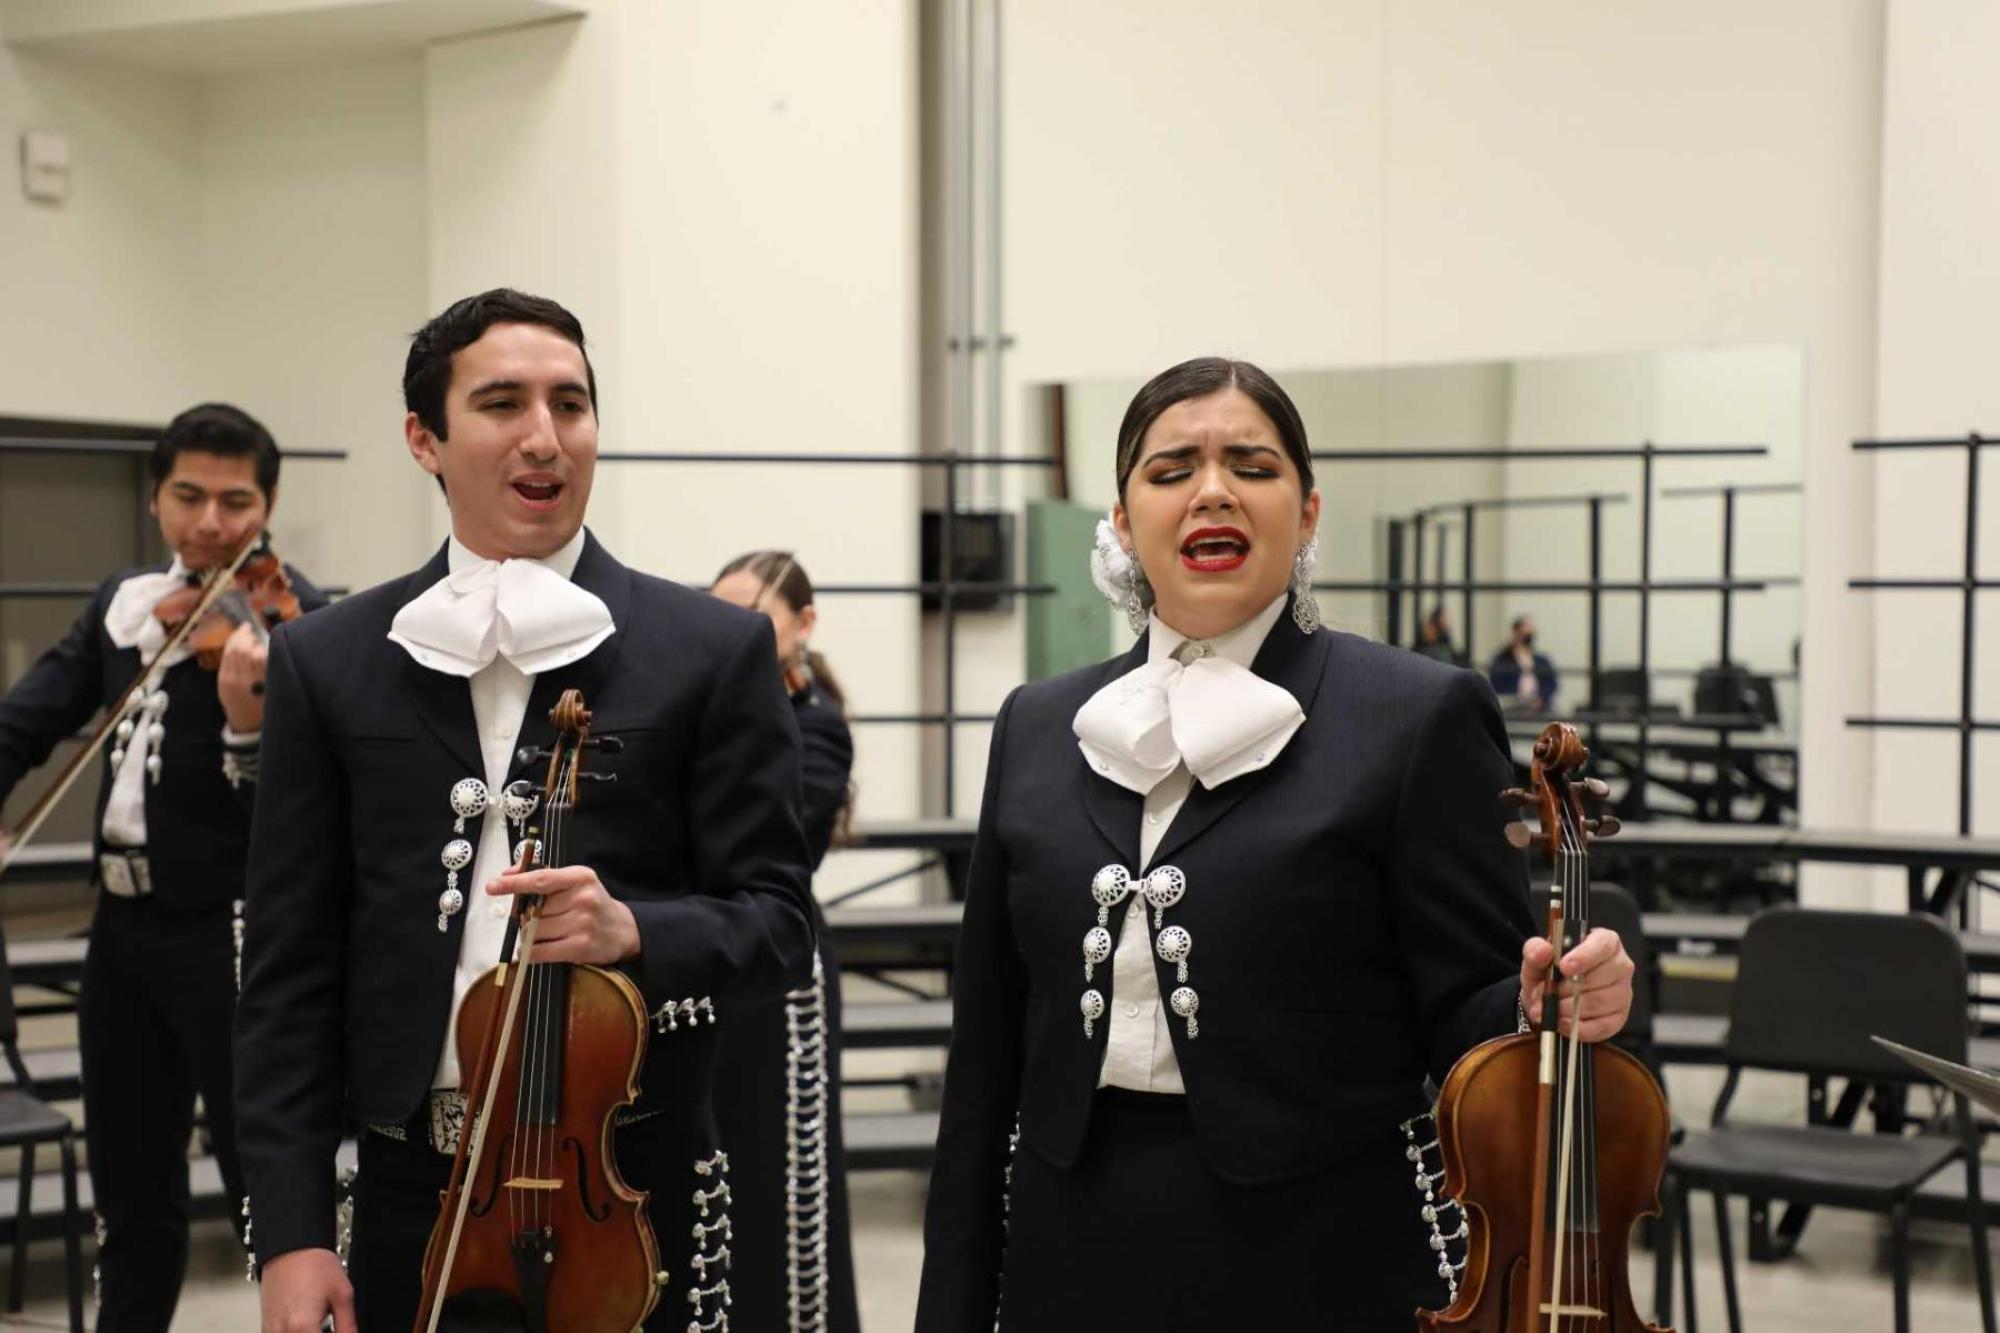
220	580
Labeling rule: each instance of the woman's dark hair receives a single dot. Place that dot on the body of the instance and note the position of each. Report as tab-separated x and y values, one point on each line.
1197	379
217	428
782	576
427	369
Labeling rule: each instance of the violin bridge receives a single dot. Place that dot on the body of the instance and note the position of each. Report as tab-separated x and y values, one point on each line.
534	1183
1573	1311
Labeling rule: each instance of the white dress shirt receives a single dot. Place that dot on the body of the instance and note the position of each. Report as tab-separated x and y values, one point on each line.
130	623
1139	1051
500	693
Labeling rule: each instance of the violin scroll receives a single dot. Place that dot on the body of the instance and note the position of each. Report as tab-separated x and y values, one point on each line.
1556	793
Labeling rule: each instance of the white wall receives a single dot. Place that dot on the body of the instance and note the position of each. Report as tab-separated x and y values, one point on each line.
103	299
1938	349
732	214
313	249
1336	182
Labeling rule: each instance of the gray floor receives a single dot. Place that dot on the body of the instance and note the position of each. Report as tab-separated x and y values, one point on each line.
1838	1281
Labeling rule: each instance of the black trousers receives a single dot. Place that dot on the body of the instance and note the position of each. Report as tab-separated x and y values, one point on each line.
154	1021
1139	1235
396	1190
752	1108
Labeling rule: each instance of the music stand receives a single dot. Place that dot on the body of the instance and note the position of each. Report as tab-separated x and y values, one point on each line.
1977	1084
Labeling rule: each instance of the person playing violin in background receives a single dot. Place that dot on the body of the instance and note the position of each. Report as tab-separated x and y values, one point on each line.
171	838
402	733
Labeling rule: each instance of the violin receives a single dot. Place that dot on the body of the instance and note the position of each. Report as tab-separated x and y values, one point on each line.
538	1231
1553	1148
195	602
259	593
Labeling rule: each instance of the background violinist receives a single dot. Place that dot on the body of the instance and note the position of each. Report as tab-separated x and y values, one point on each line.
171	837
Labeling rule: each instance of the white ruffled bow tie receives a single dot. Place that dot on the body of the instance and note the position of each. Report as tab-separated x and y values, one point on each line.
130	621
517	609
1220	719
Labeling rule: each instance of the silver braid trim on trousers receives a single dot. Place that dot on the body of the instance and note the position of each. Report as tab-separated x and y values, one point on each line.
808	1200
708	1296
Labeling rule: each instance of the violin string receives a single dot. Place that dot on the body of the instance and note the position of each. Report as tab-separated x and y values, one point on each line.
1578	875
1569	1064
1579	913
546	1001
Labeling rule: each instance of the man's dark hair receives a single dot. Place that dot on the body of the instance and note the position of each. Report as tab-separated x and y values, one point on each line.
217	428
1197	379
427	369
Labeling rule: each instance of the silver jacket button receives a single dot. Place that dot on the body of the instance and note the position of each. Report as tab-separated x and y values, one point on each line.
1186	1003
1092	1006
1174	945
468	798
1096	948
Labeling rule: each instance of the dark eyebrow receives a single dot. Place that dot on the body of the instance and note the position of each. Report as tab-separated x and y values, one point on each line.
184	485
516	386
1187	451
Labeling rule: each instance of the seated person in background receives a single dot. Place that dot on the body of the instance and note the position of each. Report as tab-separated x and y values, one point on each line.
1524	679
1434	637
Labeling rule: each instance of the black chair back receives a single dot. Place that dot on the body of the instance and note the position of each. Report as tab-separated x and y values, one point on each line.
10	1020
1622	690
1612	906
1729	688
1813	986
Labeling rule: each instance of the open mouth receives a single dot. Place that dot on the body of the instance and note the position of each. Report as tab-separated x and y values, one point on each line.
1215	550
539	494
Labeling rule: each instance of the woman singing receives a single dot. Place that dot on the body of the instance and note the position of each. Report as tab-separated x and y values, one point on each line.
777	1087
1235	895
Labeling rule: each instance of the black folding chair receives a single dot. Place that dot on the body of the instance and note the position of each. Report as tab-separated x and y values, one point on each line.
1613	907
1811	988
27	1122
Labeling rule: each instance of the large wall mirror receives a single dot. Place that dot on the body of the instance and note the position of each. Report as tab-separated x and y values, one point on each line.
1501	534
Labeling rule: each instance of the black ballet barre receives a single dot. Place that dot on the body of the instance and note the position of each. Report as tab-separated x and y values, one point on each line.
1554	585
57	591
944	460
947	592
1648	455
1467	511
1968	585
1558	452
29	444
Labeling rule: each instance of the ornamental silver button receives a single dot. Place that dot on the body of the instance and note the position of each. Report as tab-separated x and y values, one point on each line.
450	901
1097	945
457	854
535	853
519	801
1185	1002
1110	885
1092	1005
468	798
1174	944
1164	887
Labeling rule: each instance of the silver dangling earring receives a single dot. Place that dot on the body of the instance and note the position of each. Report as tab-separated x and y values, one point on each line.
1305	607
1117	574
1138	599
